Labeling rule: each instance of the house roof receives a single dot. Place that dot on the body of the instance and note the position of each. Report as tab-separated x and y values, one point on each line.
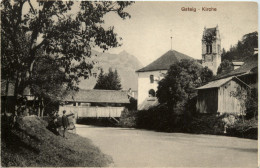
215	84
237	63
165	61
98	96
220	82
249	65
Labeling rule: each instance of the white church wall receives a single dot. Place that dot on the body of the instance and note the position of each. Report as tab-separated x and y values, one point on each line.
144	83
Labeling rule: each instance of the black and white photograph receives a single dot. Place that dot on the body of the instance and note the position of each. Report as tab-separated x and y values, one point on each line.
129	83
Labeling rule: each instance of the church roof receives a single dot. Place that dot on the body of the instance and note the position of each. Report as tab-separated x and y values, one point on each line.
165	61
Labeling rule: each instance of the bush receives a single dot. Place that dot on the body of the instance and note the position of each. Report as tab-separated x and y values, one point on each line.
128	118
159	118
244	129
207	124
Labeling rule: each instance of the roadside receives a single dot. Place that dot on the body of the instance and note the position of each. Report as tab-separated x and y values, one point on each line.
31	144
131	147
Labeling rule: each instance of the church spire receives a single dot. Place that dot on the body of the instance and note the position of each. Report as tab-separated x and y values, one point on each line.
171	39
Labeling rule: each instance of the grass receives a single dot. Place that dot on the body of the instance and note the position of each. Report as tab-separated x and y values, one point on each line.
31	144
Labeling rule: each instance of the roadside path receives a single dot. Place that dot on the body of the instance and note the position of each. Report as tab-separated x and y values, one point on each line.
132	147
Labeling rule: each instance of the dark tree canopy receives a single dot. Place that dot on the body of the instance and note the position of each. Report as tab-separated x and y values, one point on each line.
48	36
180	82
108	81
243	48
225	67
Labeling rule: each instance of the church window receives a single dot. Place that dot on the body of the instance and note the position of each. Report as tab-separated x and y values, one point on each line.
151	93
151	78
209	49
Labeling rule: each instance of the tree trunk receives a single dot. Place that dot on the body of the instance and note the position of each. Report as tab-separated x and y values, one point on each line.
39	107
42	109
6	95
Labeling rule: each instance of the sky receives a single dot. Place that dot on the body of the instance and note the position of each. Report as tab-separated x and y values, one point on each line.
147	34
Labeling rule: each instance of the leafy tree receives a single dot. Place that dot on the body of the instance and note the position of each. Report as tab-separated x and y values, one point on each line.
178	86
108	81
242	49
61	34
225	67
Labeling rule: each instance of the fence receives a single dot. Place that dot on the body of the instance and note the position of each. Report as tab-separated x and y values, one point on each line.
91	112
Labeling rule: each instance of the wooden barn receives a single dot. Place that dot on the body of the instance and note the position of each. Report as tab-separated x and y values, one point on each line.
219	96
96	103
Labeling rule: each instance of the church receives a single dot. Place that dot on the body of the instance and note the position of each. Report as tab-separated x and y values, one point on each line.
150	75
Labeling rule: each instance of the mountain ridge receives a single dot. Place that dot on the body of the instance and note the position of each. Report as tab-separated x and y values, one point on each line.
125	63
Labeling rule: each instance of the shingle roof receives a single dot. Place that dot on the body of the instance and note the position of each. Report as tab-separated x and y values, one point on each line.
165	61
98	96
215	84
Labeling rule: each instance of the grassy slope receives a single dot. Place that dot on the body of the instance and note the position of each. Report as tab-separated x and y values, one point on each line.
31	144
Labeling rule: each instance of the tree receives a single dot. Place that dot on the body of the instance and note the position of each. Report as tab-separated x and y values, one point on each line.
108	81
61	34
243	48
225	67
178	86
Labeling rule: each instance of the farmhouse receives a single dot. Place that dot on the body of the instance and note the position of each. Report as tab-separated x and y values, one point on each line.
96	103
219	96
149	76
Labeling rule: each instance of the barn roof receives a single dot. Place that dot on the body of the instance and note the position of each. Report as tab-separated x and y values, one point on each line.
220	82
215	84
165	61
98	96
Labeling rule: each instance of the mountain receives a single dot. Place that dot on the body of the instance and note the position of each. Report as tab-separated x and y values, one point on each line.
125	63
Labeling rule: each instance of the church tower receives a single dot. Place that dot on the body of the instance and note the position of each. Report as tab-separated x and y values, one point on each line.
211	49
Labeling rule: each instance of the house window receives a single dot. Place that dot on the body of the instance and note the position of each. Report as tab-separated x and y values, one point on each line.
151	93
209	49
151	78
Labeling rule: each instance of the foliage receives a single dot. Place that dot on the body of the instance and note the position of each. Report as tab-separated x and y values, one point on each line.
208	38
128	118
32	30
30	144
108	81
244	128
207	124
243	48
252	104
178	86
225	67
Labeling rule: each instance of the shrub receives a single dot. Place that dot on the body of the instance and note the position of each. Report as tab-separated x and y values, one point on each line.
207	124
244	129
128	118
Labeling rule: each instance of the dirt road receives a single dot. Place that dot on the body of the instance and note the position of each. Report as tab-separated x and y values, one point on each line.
132	147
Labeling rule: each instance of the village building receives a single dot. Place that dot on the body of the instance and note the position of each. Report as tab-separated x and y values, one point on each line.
219	95
211	49
96	103
237	64
149	76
